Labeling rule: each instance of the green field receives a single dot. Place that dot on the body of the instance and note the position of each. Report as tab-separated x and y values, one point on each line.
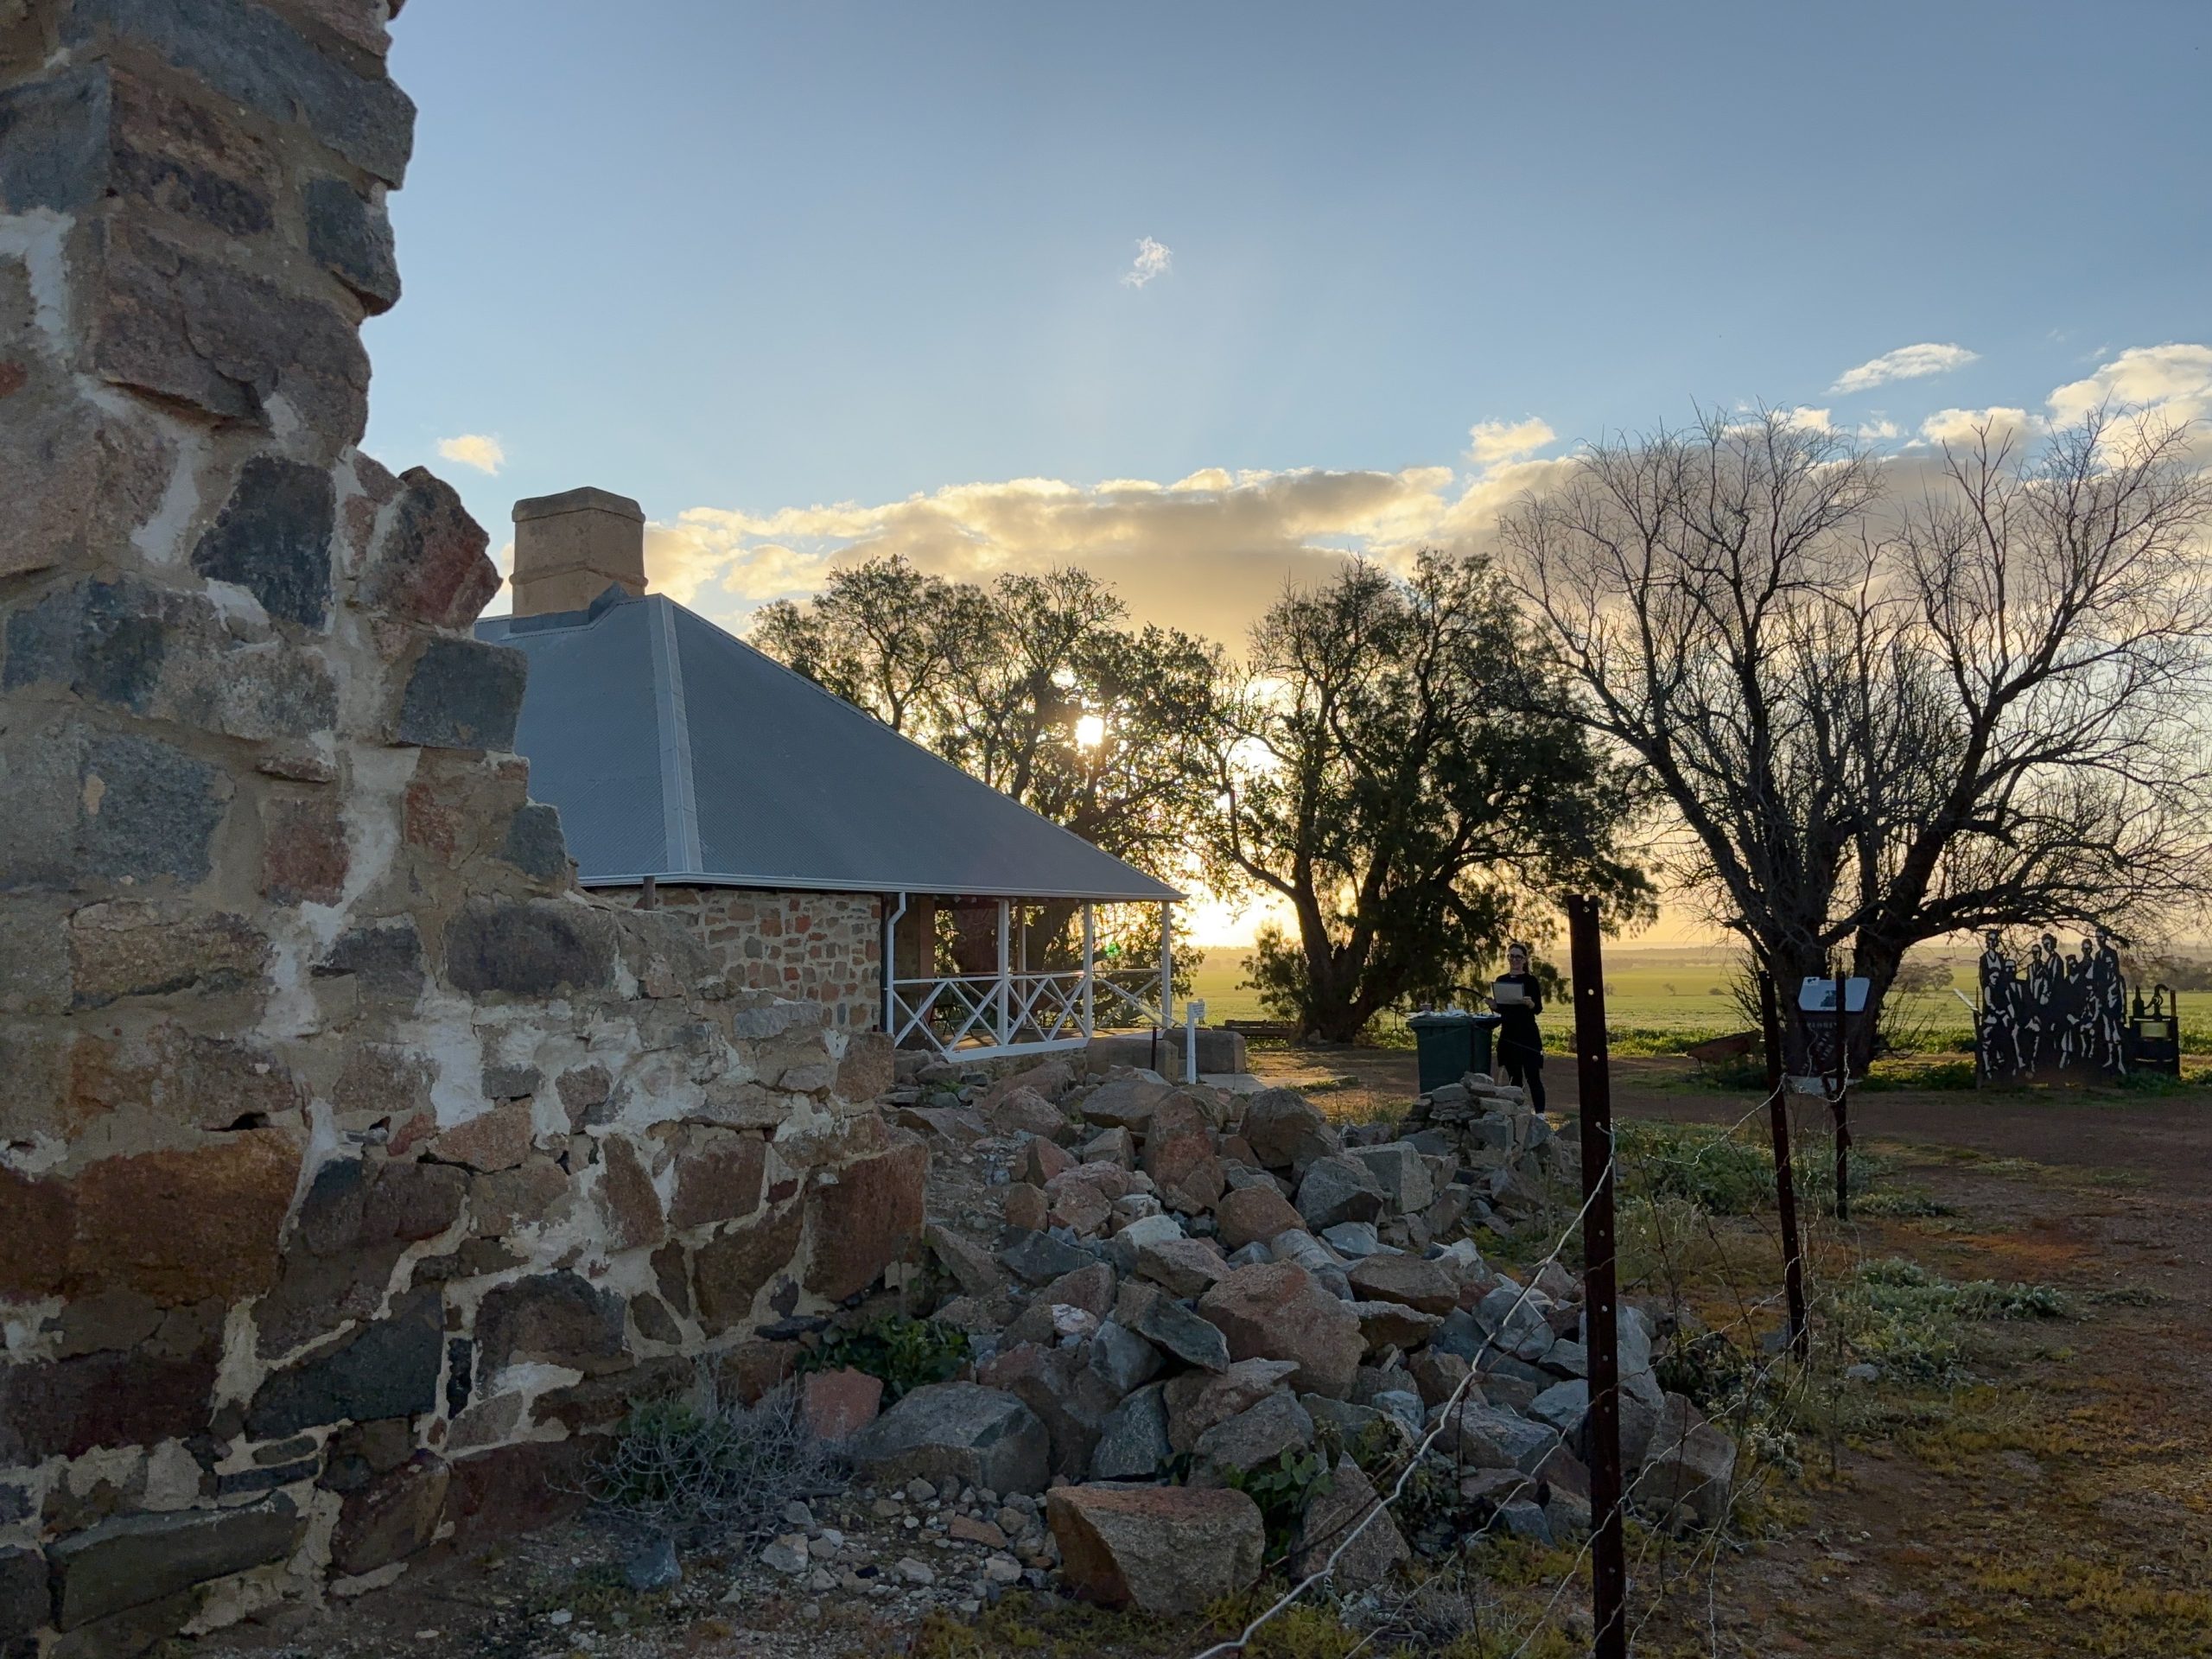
1657	1000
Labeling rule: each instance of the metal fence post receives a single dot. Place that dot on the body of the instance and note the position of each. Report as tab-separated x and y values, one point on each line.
1842	1101
1601	1297
1785	1179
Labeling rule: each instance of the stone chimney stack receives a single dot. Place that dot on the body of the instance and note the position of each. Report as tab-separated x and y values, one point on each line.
569	547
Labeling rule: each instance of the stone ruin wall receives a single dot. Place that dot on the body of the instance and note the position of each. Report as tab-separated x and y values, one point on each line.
353	1162
823	947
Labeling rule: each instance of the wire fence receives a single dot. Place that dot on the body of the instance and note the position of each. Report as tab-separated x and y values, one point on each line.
1673	1571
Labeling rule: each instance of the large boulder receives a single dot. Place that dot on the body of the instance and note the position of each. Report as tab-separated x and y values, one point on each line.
1333	1523
1253	1438
1563	1406
1191	1337
959	1431
1489	1437
1024	1111
1050	1080
1393	1325
1339	1189
1058	1384
1172	1550
1253	1215
1187	1267
1125	1103
1406	1178
1427	1286
1132	1441
1689	1465
1286	1130
1196	1401
1279	1311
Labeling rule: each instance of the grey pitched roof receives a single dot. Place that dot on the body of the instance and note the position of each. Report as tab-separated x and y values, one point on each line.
677	751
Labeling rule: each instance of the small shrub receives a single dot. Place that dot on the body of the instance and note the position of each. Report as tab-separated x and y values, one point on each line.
1903	1205
1708	1367
1284	1489
697	1469
1716	1172
1909	1321
906	1353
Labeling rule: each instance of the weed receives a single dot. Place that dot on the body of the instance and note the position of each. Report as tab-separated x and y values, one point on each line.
1907	1204
1020	1623
1908	1321
696	1469
2125	1296
600	1595
1284	1489
906	1353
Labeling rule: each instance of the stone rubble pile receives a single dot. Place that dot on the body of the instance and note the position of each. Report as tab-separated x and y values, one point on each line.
1165	1288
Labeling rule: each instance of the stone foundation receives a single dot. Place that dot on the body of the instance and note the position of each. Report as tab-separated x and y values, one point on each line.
820	947
353	1164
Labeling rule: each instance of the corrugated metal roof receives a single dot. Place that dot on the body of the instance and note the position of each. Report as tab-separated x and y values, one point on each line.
677	751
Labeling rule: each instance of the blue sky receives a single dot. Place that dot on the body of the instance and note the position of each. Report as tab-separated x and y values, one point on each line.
781	255
744	261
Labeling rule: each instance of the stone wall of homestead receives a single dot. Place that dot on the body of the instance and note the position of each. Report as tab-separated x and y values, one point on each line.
354	1167
820	947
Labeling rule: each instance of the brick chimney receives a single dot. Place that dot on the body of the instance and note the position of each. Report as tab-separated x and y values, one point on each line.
569	547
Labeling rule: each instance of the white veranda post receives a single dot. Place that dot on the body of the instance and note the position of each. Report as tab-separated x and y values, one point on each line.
1005	977
1090	967
1167	965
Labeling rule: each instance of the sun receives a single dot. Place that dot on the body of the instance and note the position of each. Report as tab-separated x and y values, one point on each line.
1090	731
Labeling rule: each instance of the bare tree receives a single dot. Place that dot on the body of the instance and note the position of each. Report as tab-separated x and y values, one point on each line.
1881	719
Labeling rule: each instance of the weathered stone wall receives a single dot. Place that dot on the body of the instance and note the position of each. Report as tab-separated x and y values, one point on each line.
823	947
352	1162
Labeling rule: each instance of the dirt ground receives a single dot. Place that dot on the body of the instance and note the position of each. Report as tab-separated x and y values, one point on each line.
2058	1503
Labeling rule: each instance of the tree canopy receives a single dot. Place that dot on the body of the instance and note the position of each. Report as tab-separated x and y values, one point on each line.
1036	683
1375	772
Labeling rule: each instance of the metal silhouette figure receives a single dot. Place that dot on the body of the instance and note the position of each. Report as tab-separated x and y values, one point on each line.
2057	1014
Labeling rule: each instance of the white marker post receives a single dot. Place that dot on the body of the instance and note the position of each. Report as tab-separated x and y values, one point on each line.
1193	1012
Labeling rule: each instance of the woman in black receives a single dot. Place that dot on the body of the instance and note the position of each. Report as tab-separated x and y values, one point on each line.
1520	1044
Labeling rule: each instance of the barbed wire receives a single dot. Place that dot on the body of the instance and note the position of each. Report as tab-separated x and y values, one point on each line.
1748	1395
1448	1416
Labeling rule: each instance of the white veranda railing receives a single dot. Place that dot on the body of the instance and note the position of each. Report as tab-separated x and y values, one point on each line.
1016	1010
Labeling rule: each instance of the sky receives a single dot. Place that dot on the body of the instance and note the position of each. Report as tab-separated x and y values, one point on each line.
1205	296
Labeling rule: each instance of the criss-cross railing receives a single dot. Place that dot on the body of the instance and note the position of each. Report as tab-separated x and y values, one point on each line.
1016	1010
1024	1011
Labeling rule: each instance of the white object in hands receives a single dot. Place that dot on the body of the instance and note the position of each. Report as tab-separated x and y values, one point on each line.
1508	991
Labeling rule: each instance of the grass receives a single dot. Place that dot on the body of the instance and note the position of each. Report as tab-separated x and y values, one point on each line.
1657	1002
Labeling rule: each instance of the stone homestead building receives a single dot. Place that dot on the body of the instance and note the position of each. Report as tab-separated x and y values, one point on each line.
805	844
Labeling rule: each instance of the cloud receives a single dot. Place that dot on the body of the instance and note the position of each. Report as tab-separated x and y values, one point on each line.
1808	420
1876	430
1491	442
1153	260
475	449
2171	382
1963	425
1208	552
1906	362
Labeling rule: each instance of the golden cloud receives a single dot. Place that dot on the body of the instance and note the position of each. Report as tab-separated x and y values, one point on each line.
1207	552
